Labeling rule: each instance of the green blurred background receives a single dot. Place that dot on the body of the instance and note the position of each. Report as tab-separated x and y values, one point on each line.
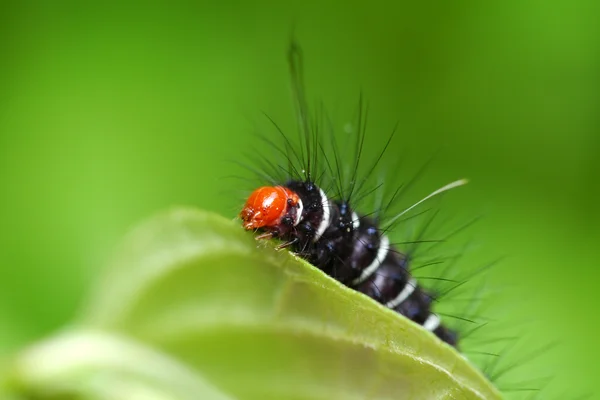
109	113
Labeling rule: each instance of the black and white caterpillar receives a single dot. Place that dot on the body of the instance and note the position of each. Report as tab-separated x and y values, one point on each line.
352	248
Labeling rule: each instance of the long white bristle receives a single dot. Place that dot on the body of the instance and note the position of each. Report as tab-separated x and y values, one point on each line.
452	185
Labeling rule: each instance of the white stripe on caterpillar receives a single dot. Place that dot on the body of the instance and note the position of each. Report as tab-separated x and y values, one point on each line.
432	322
384	247
326	215
409	288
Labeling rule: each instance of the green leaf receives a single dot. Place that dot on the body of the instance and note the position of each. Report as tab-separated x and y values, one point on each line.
95	365
200	295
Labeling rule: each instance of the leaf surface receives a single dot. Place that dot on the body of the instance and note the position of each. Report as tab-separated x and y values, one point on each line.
201	294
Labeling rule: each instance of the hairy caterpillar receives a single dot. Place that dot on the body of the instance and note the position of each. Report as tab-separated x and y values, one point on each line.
327	231
313	203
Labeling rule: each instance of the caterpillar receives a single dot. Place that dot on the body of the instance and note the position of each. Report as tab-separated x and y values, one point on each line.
313	203
328	231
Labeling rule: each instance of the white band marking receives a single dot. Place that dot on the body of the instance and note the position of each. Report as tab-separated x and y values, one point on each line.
355	221
326	215
299	213
432	322
384	246
409	288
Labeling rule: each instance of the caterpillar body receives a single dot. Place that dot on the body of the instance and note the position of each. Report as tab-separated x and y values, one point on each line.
352	248
348	247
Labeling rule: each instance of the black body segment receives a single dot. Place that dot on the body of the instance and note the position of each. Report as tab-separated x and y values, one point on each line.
353	250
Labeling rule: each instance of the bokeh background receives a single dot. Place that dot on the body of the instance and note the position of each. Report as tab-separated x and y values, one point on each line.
110	113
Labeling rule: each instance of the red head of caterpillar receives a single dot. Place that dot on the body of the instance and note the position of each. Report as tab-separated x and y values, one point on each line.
271	207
